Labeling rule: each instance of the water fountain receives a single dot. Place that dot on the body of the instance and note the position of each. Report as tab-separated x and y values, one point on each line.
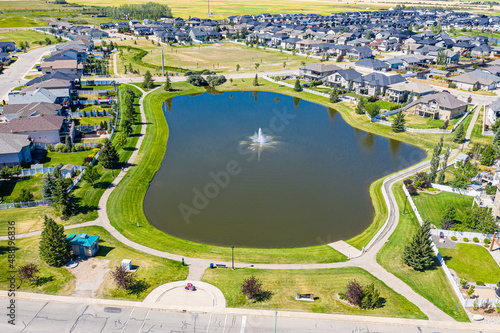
260	141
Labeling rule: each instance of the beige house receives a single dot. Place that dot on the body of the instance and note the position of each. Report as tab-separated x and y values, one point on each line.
442	105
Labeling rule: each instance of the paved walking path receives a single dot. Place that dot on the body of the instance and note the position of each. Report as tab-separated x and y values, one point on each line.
348	250
366	261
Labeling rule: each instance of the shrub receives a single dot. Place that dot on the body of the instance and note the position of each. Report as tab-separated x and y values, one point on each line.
486	241
59	147
463	283
88	159
49	147
453	238
465	239
78	147
475	239
73	149
216	80
197	80
123	278
480	283
65	150
251	287
365	297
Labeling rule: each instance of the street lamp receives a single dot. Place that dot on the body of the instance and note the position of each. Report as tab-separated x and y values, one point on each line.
404	210
232	256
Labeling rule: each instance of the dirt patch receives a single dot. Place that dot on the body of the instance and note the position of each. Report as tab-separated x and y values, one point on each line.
89	275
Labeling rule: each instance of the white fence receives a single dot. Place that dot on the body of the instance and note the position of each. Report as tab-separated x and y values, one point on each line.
450	189
93	92
462	234
464	116
24	204
43	171
413	130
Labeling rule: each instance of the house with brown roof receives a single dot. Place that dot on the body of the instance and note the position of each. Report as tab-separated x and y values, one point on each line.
317	72
442	105
44	129
68	66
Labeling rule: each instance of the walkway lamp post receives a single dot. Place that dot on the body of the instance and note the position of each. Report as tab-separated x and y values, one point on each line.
406	200
232	256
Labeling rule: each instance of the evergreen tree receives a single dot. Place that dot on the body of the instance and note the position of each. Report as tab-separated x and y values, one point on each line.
68	143
399	122
65	201
48	187
54	248
442	175
496	138
334	95
435	161
256	80
148	81
360	108
108	156
459	135
297	86
168	84
419	254
127	126
91	174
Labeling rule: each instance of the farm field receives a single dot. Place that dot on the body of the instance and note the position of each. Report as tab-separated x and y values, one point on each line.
30	36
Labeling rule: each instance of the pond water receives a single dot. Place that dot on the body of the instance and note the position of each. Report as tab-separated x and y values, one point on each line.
304	181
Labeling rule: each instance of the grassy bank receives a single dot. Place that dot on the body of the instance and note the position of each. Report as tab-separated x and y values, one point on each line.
324	283
431	284
154	271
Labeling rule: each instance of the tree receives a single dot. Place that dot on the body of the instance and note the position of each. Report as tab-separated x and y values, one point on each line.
256	80
448	217
459	135
91	174
257	65
418	254
479	219
444	165
251	287
238	67
488	156
463	173
124	279
371	297
496	125
334	95
121	140
148	80
364	297
372	109
25	196
360	107
64	200
441	57
127	126
108	156
54	248
168	84
28	272
398	125
48	187
297	86
68	143
435	161
5	173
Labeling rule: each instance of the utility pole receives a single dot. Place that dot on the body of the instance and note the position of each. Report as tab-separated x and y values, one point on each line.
208	8
162	64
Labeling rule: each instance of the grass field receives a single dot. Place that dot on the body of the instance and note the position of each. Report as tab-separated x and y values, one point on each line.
431	206
90	120
477	132
431	284
54	158
153	270
421	122
30	36
221	57
10	190
324	283
472	262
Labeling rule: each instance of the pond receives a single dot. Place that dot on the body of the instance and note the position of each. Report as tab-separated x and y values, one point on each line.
304	181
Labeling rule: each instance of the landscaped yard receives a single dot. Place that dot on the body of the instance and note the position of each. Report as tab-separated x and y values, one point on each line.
11	189
431	284
324	283
153	270
54	158
90	120
422	122
472	262
477	132
431	206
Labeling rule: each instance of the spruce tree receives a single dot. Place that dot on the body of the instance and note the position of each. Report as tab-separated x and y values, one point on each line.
168	84
399	122
419	254
297	86
68	143
48	187
54	248
435	161
256	80
496	138
108	156
444	165
459	135
334	95
65	201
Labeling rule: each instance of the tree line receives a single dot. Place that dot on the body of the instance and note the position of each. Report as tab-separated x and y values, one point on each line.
150	10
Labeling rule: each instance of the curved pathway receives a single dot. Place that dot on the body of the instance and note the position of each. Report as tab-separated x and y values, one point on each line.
366	261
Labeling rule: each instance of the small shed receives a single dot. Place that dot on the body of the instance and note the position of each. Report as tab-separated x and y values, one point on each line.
68	171
84	245
461	158
127	264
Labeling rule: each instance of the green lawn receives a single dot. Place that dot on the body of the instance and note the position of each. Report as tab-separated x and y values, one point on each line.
385	105
153	270
30	36
324	283
472	262
10	190
90	121
431	284
54	158
85	87
431	206
477	132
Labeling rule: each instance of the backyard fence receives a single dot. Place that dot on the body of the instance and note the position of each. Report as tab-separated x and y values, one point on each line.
98	82
45	146
93	92
413	130
92	113
93	101
450	189
43	171
24	204
462	234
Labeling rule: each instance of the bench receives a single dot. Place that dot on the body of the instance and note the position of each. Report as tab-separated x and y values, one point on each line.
212	266
305	297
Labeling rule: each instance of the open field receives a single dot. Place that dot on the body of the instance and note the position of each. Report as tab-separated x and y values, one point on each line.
153	270
30	36
431	284
472	262
432	206
220	57
324	283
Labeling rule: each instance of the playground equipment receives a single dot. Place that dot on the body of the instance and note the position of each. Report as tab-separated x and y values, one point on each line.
494	240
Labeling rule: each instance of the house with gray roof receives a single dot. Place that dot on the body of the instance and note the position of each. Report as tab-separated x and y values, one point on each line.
493	111
56	96
45	129
441	105
7	46
477	79
11	111
399	92
317	72
370	65
15	149
342	77
375	83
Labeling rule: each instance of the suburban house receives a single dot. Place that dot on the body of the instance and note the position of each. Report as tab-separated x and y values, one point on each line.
476	80
198	34
4	58
7	46
399	92
342	77
15	149
493	112
11	111
57	96
43	129
442	105
84	245
371	65
68	66
375	83
72	77
317	72
58	87
359	52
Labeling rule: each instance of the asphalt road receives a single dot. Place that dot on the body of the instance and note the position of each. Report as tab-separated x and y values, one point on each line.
13	75
42	316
